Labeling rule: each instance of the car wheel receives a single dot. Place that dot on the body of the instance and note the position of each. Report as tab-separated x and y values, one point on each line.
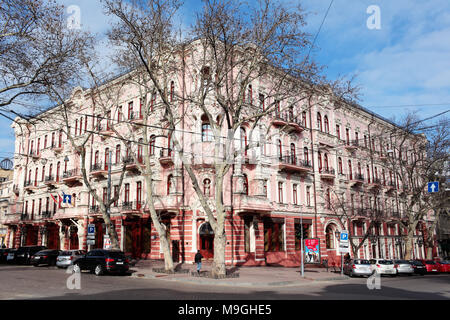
98	270
76	268
351	274
35	264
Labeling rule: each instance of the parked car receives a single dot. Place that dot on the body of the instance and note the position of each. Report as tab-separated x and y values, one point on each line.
102	261
432	266
404	267
11	257
358	267
67	257
419	267
4	254
444	266
47	256
383	266
23	254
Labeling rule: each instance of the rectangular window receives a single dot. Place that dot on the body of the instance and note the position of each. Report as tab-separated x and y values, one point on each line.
294	194
127	193
308	196
338	132
247	223
261	102
273	235
280	192
307	227
116	193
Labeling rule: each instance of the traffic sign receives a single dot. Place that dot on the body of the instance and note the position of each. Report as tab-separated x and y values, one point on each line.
433	186
90	242
344	237
91	229
344	250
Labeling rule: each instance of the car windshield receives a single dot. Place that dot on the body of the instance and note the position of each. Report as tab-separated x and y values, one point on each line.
362	262
43	252
385	262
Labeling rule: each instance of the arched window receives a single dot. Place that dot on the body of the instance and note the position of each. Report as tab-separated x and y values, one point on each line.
117	153
60	139
172	91
325	161
250	94
244	140
320	161
96	157
43	174
245	185
207	187
207	134
170	184
53	140
328	198
368	173
319	121
280	149
76	127
58	165
106	158
304	122
347	135
350	171
50	170
293	155
340	165
327	125
305	155
152	145
35	177
29	177
139	150
330	237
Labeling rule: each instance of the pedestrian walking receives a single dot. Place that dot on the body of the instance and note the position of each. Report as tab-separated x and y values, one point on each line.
198	261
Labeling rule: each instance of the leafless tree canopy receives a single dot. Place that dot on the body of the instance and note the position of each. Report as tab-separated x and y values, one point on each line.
37	50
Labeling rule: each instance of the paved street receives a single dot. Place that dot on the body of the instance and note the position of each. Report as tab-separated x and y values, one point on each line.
27	282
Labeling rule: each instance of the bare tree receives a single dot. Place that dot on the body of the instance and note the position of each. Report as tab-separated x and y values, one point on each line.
37	51
418	154
232	47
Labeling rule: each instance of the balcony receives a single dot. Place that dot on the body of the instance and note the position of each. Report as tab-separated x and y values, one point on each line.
374	183
359	213
327	173
294	164
57	148
288	122
98	170
49	181
131	164
72	177
356	179
30	186
131	207
94	209
46	214
245	203
105	131
351	146
166	157
35	155
389	187
136	118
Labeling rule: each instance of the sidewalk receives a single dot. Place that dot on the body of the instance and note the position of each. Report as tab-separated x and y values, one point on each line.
248	276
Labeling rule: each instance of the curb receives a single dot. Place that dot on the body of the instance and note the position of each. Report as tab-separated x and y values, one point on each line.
220	282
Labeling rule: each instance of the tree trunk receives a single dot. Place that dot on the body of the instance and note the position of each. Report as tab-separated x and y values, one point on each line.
218	267
112	233
409	247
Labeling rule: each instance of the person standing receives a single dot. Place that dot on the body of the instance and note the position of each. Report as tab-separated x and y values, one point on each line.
198	261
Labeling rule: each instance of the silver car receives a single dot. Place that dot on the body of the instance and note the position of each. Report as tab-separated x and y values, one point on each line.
383	266
66	258
358	267
404	267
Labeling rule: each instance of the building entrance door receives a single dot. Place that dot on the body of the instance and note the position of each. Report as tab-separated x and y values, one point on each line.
206	241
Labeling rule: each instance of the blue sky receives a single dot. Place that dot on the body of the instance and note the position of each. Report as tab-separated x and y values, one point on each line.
406	62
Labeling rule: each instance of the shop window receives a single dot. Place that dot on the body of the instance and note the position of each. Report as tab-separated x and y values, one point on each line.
273	236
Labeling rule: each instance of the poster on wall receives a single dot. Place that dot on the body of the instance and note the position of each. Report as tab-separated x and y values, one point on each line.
312	250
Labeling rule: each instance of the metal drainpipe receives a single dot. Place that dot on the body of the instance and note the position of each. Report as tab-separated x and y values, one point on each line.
182	165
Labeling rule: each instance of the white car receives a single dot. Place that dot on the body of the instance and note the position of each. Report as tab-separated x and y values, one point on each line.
404	267
383	266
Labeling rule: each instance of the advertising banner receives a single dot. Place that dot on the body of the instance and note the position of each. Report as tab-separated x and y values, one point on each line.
312	250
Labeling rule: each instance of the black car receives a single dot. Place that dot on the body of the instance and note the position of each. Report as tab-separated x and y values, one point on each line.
47	256
4	254
102	261
419	267
23	254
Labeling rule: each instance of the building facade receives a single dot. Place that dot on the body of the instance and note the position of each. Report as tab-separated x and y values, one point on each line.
286	186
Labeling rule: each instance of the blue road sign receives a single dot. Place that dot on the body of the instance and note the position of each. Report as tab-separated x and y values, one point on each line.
91	229
433	187
344	236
